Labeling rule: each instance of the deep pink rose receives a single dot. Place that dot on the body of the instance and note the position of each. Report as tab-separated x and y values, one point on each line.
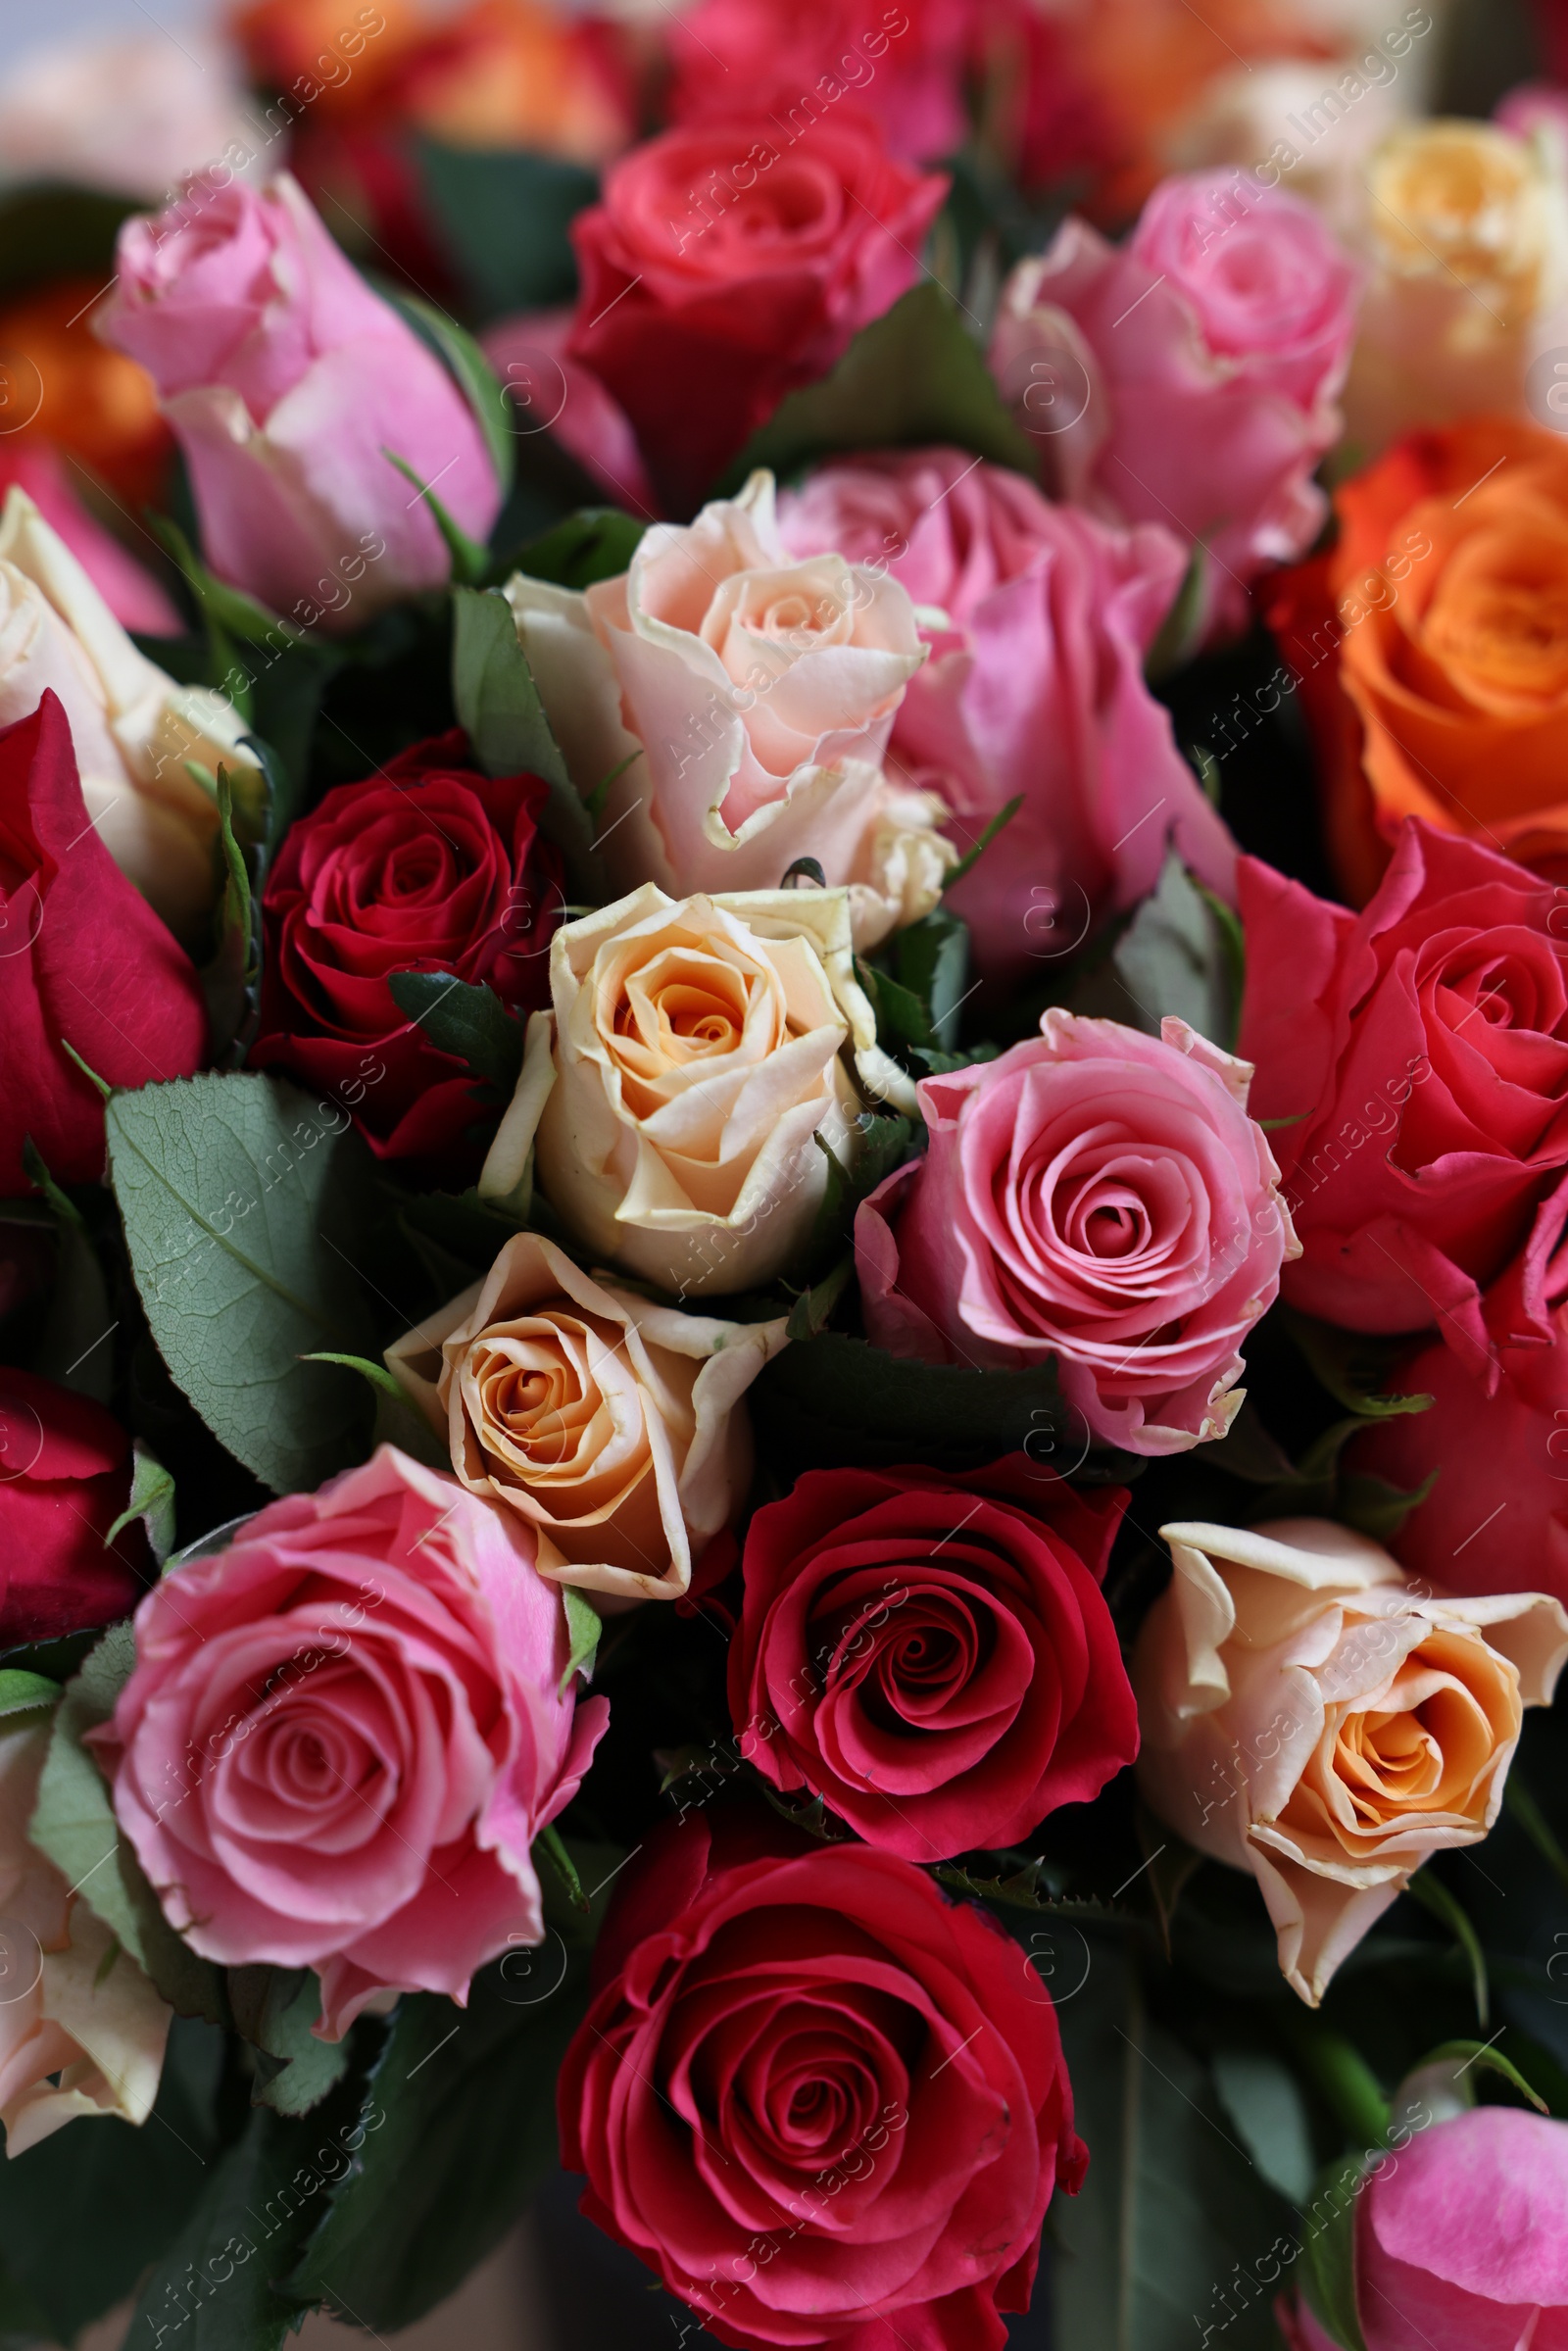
933	1654
1416	1057
127	587
65	1480
286	380
728	264
1034	686
825	2102
905	66
1191	376
344	1732
1096	1197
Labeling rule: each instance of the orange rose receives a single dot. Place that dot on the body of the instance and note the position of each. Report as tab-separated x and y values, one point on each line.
63	385
1431	647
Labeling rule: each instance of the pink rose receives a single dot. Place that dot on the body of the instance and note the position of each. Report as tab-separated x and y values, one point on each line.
344	1732
1034	685
1191	376
127	587
286	380
1097	1198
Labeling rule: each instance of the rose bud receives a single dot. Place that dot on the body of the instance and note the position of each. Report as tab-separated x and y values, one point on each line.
65	1481
1311	1714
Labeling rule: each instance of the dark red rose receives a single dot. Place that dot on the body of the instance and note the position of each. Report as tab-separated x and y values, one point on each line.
427	867
825	2103
933	1655
730	262
83	961
1412	1069
65	1478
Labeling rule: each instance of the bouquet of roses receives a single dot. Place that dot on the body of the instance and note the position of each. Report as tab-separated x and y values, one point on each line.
784	1179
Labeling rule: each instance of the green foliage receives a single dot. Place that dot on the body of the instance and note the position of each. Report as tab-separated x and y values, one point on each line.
274	2008
461	356
503	214
470	1023
1177	955
595	543
1328	2251
152	1500
499	709
584	1624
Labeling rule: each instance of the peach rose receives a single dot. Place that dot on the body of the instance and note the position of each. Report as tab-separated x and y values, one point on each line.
1313	1715
695	1054
614	1426
131	727
759	690
82	2030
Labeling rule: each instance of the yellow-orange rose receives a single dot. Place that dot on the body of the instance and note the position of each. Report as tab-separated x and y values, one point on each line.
614	1426
1311	1714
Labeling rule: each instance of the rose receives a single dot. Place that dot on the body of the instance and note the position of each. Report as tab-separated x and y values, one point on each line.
133	728
689	1076
84	961
1417	1060
1466	231
1038	618
65	1479
903	66
1436	614
1189	376
823	2101
130	592
759	692
118	113
728	262
82	2030
94	405
287	381
1310	1715
426	865
1097	1198
931	1655
615	1427
343	1733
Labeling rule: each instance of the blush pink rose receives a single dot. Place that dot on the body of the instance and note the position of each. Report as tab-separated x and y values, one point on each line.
1189	376
1097	1199
344	1732
1038	618
286	380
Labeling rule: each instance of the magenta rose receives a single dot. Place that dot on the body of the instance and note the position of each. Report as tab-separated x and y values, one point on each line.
1038	617
287	380
823	2101
728	264
344	1732
905	66
932	1655
1189	376
1415	1057
1096	1198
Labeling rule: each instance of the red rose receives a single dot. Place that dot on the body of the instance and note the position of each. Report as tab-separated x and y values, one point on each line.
65	1478
83	961
1413	1061
427	867
825	2103
933	1655
732	261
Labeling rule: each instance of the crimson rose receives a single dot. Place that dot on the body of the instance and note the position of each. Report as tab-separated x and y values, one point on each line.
933	1655
1412	1066
427	867
83	961
823	2101
65	1478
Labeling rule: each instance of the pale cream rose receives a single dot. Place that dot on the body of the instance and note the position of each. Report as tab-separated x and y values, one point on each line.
1311	1714
1466	230
615	1427
673	1096
132	727
73	2005
753	696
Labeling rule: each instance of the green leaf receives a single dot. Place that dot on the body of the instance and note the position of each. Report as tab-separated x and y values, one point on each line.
21	1692
1431	1892
901	1016
554	1848
75	1344
1328	2251
503	214
1534	1824
377	1374
595	543
499	709
1182	628
1475	2056
912	378
274	2008
241	1207
226	608
1341	2074
1175	957
457	2129
152	1500
471	1023
230	980
469	560
930	957
812	1310
584	1624
885	1143
1374	1507
1264	2099
477	380
1352	1366
967	863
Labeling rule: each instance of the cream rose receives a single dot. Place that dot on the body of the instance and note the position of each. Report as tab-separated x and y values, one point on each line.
133	728
615	1427
1466	230
1311	1714
759	690
73	2005
673	1096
